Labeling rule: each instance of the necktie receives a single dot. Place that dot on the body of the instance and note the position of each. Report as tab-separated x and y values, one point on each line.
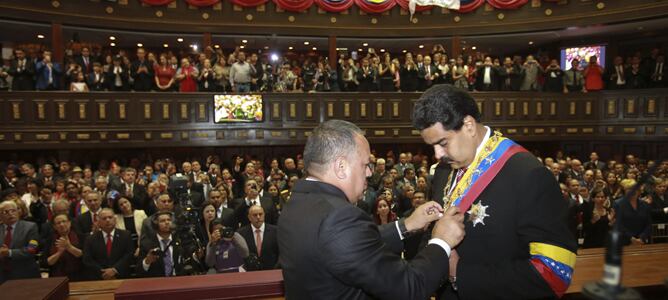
8	237
258	241
109	245
49	213
128	190
460	174
167	259
94	217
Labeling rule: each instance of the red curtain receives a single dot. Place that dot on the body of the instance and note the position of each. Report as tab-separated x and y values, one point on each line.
248	3
294	5
202	3
470	5
507	4
404	5
157	2
375	6
334	5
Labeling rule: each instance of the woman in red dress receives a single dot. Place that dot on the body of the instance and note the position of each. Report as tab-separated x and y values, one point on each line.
186	76
593	75
164	75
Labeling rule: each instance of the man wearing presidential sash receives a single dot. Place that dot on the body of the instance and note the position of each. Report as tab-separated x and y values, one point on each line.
517	243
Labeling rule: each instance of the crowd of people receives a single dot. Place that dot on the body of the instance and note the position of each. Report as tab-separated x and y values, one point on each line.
110	221
214	71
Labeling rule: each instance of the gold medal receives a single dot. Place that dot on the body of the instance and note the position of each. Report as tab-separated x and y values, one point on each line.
477	213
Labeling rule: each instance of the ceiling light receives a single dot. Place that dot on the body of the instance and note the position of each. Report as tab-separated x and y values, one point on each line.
113	38
421	46
140	45
274	57
180	40
365	44
194	47
266	47
474	47
244	41
530	42
306	43
382	50
290	48
242	46
360	49
216	46
314	48
112	44
337	49
404	51
165	45
40	36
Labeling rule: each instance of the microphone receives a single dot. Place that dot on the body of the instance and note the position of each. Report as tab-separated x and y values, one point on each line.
610	286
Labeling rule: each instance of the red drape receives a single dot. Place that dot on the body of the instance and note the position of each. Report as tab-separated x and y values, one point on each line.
470	5
404	5
507	4
202	3
375	6
334	6
294	5
248	3
157	2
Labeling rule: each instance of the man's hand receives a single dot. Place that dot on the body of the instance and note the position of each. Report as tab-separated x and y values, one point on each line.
4	251
450	228
151	257
454	259
215	237
108	273
423	215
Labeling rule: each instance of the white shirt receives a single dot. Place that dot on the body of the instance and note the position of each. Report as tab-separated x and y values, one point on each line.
162	247
620	75
106	235
256	199
487	79
261	230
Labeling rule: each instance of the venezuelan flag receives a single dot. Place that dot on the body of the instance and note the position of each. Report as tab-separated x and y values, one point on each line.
554	264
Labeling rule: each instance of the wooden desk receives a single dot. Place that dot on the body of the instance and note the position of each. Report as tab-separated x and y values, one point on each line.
643	266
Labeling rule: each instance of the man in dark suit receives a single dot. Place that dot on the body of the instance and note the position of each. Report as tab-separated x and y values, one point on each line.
427	72
226	214
487	76
365	76
142	71
19	245
108	252
96	79
241	205
330	249
136	193
260	233
85	61
658	71
160	254
594	163
22	70
163	204
87	223
526	227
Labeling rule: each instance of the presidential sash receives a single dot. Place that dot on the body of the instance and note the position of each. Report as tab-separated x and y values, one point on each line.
491	159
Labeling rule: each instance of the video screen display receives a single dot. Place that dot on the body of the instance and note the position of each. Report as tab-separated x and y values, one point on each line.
237	108
582	54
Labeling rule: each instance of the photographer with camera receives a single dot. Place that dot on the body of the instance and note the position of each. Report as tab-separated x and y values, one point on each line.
161	254
226	251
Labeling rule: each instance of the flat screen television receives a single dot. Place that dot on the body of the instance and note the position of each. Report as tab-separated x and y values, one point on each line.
582	54
237	108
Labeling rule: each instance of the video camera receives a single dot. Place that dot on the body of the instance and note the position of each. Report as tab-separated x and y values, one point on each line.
186	217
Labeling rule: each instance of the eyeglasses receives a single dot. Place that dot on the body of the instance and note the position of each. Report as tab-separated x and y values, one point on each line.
9	211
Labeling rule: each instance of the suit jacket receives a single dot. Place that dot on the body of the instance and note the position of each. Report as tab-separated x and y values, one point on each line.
139	198
367	80
524	205
330	249
85	68
143	81
23	248
494	79
269	255
241	211
95	254
157	269
22	80
590	165
111	80
439	181
423	84
83	225
42	75
96	85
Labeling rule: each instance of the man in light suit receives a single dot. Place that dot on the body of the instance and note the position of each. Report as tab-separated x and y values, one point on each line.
108	251
330	249
265	234
19	245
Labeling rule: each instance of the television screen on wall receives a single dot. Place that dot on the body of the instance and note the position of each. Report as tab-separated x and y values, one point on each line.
582	54
237	108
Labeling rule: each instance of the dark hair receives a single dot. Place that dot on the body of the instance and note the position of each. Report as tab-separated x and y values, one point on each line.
214	222
446	104
156	217
116	206
330	140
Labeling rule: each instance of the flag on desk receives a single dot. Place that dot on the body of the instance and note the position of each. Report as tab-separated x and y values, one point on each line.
449	4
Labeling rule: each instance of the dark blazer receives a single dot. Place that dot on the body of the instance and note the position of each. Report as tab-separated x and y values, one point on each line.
241	211
346	256
23	248
23	80
524	205
423	84
85	68
269	255
157	269
83	225
96	85
409	79
111	80
143	81
139	198
366	80
95	254
493	75
590	165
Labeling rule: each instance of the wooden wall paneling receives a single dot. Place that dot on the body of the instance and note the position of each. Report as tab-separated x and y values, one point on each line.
148	111
631	106
397	109
123	110
41	110
275	109
313	112
102	111
166	110
82	110
364	109
184	111
17	111
380	109
62	110
349	109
